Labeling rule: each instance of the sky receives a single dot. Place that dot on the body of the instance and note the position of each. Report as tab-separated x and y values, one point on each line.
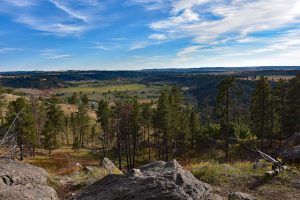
140	34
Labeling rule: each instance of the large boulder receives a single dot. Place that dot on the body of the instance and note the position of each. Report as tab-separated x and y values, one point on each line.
157	180
291	154
23	181
240	196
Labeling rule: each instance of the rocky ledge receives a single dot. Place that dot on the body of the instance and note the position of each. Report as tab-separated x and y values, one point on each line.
20	181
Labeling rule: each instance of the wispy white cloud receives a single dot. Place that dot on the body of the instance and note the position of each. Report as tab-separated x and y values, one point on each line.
228	21
55	28
139	45
70	18
188	50
8	49
151	5
53	54
157	36
21	3
70	11
101	46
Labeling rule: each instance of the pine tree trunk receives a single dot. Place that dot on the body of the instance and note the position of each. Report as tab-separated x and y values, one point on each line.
103	148
149	147
119	155
166	146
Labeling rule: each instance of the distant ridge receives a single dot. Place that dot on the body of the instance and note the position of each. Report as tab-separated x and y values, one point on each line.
179	70
223	69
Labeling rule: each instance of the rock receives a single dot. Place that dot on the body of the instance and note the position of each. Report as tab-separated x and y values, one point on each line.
292	141
90	169
23	181
240	196
291	155
157	180
65	180
260	165
109	166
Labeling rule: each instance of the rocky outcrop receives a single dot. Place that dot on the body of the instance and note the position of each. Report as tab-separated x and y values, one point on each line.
157	180
240	196
109	166
291	155
23	181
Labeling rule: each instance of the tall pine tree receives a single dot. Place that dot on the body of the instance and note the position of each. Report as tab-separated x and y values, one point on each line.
260	109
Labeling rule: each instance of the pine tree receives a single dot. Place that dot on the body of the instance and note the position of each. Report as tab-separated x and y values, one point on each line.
24	125
53	125
66	123
280	107
83	119
103	116
1	110
135	129
75	132
161	123
41	119
194	127
146	119
93	134
225	103
74	99
292	119
260	109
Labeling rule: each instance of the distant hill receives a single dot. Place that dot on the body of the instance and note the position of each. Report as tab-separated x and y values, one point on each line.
223	69
59	79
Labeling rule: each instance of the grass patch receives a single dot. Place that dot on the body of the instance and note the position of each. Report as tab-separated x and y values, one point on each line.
101	89
224	174
83	178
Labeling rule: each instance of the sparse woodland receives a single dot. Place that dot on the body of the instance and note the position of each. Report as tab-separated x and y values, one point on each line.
133	132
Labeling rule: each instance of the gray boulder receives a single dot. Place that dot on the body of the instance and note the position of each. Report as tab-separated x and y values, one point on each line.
240	196
90	169
20	181
109	166
157	180
291	155
292	141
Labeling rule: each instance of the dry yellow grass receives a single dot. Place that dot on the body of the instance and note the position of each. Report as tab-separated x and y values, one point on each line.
9	97
35	92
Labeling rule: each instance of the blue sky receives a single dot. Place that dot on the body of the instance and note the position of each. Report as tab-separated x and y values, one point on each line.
139	34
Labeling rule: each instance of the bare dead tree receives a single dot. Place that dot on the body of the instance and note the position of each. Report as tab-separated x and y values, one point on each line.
10	139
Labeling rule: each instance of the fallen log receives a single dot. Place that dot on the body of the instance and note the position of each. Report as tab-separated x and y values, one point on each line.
277	165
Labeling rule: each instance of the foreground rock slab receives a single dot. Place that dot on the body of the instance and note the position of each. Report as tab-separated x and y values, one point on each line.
20	181
157	180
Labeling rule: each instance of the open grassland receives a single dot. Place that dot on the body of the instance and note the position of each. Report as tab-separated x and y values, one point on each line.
101	89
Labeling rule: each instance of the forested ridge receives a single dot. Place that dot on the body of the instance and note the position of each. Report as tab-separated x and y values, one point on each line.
168	128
